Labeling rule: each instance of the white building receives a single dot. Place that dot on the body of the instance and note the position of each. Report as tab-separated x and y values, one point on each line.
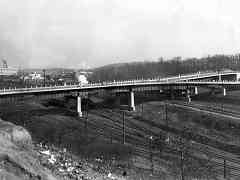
35	76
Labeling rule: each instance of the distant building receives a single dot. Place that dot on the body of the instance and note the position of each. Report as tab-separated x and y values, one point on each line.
7	71
35	76
68	77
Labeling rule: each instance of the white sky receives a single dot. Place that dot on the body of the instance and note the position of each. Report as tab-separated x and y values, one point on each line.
81	33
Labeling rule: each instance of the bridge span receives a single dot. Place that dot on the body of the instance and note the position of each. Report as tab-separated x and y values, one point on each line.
190	83
209	76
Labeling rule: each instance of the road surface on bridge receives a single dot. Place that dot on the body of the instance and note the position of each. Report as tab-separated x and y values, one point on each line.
113	85
181	80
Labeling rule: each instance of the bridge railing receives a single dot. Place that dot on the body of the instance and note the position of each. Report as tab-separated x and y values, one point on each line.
114	83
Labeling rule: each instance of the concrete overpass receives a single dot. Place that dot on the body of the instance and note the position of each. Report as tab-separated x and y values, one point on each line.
190	83
212	76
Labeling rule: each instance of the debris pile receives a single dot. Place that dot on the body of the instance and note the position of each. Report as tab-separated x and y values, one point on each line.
65	165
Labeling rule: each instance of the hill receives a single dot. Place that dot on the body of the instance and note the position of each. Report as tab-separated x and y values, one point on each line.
164	67
18	160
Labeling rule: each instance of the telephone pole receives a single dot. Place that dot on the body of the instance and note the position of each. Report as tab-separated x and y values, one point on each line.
44	77
123	127
166	114
182	165
224	169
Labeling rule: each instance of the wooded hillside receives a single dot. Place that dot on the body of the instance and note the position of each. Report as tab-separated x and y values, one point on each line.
163	67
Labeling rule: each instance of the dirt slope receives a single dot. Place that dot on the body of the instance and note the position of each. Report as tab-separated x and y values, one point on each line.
17	159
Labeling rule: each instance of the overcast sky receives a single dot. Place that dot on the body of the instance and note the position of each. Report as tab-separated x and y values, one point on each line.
81	33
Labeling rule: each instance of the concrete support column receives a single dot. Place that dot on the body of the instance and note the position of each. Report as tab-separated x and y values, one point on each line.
196	90
219	77
132	104
224	92
79	106
188	96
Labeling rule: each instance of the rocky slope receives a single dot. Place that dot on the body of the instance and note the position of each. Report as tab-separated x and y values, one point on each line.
18	160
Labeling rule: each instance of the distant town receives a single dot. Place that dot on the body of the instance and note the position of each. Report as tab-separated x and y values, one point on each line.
13	77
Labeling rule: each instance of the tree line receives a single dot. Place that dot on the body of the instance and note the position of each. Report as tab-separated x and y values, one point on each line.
164	67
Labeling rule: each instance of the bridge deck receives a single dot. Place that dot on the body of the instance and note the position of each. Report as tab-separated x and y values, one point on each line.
114	85
183	80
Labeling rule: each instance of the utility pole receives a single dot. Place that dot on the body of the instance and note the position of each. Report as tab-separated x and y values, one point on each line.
87	107
86	119
166	119
44	77
111	139
182	150
151	153
182	165
111	131
123	127
86	126
166	114
224	169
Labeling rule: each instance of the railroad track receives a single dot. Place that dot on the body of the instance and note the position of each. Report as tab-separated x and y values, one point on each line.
209	109
135	134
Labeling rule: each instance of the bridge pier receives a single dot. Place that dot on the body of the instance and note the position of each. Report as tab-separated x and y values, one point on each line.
132	104
224	92
219	77
79	106
196	90
189	95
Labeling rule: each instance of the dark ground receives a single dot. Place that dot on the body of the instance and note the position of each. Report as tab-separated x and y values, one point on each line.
54	122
